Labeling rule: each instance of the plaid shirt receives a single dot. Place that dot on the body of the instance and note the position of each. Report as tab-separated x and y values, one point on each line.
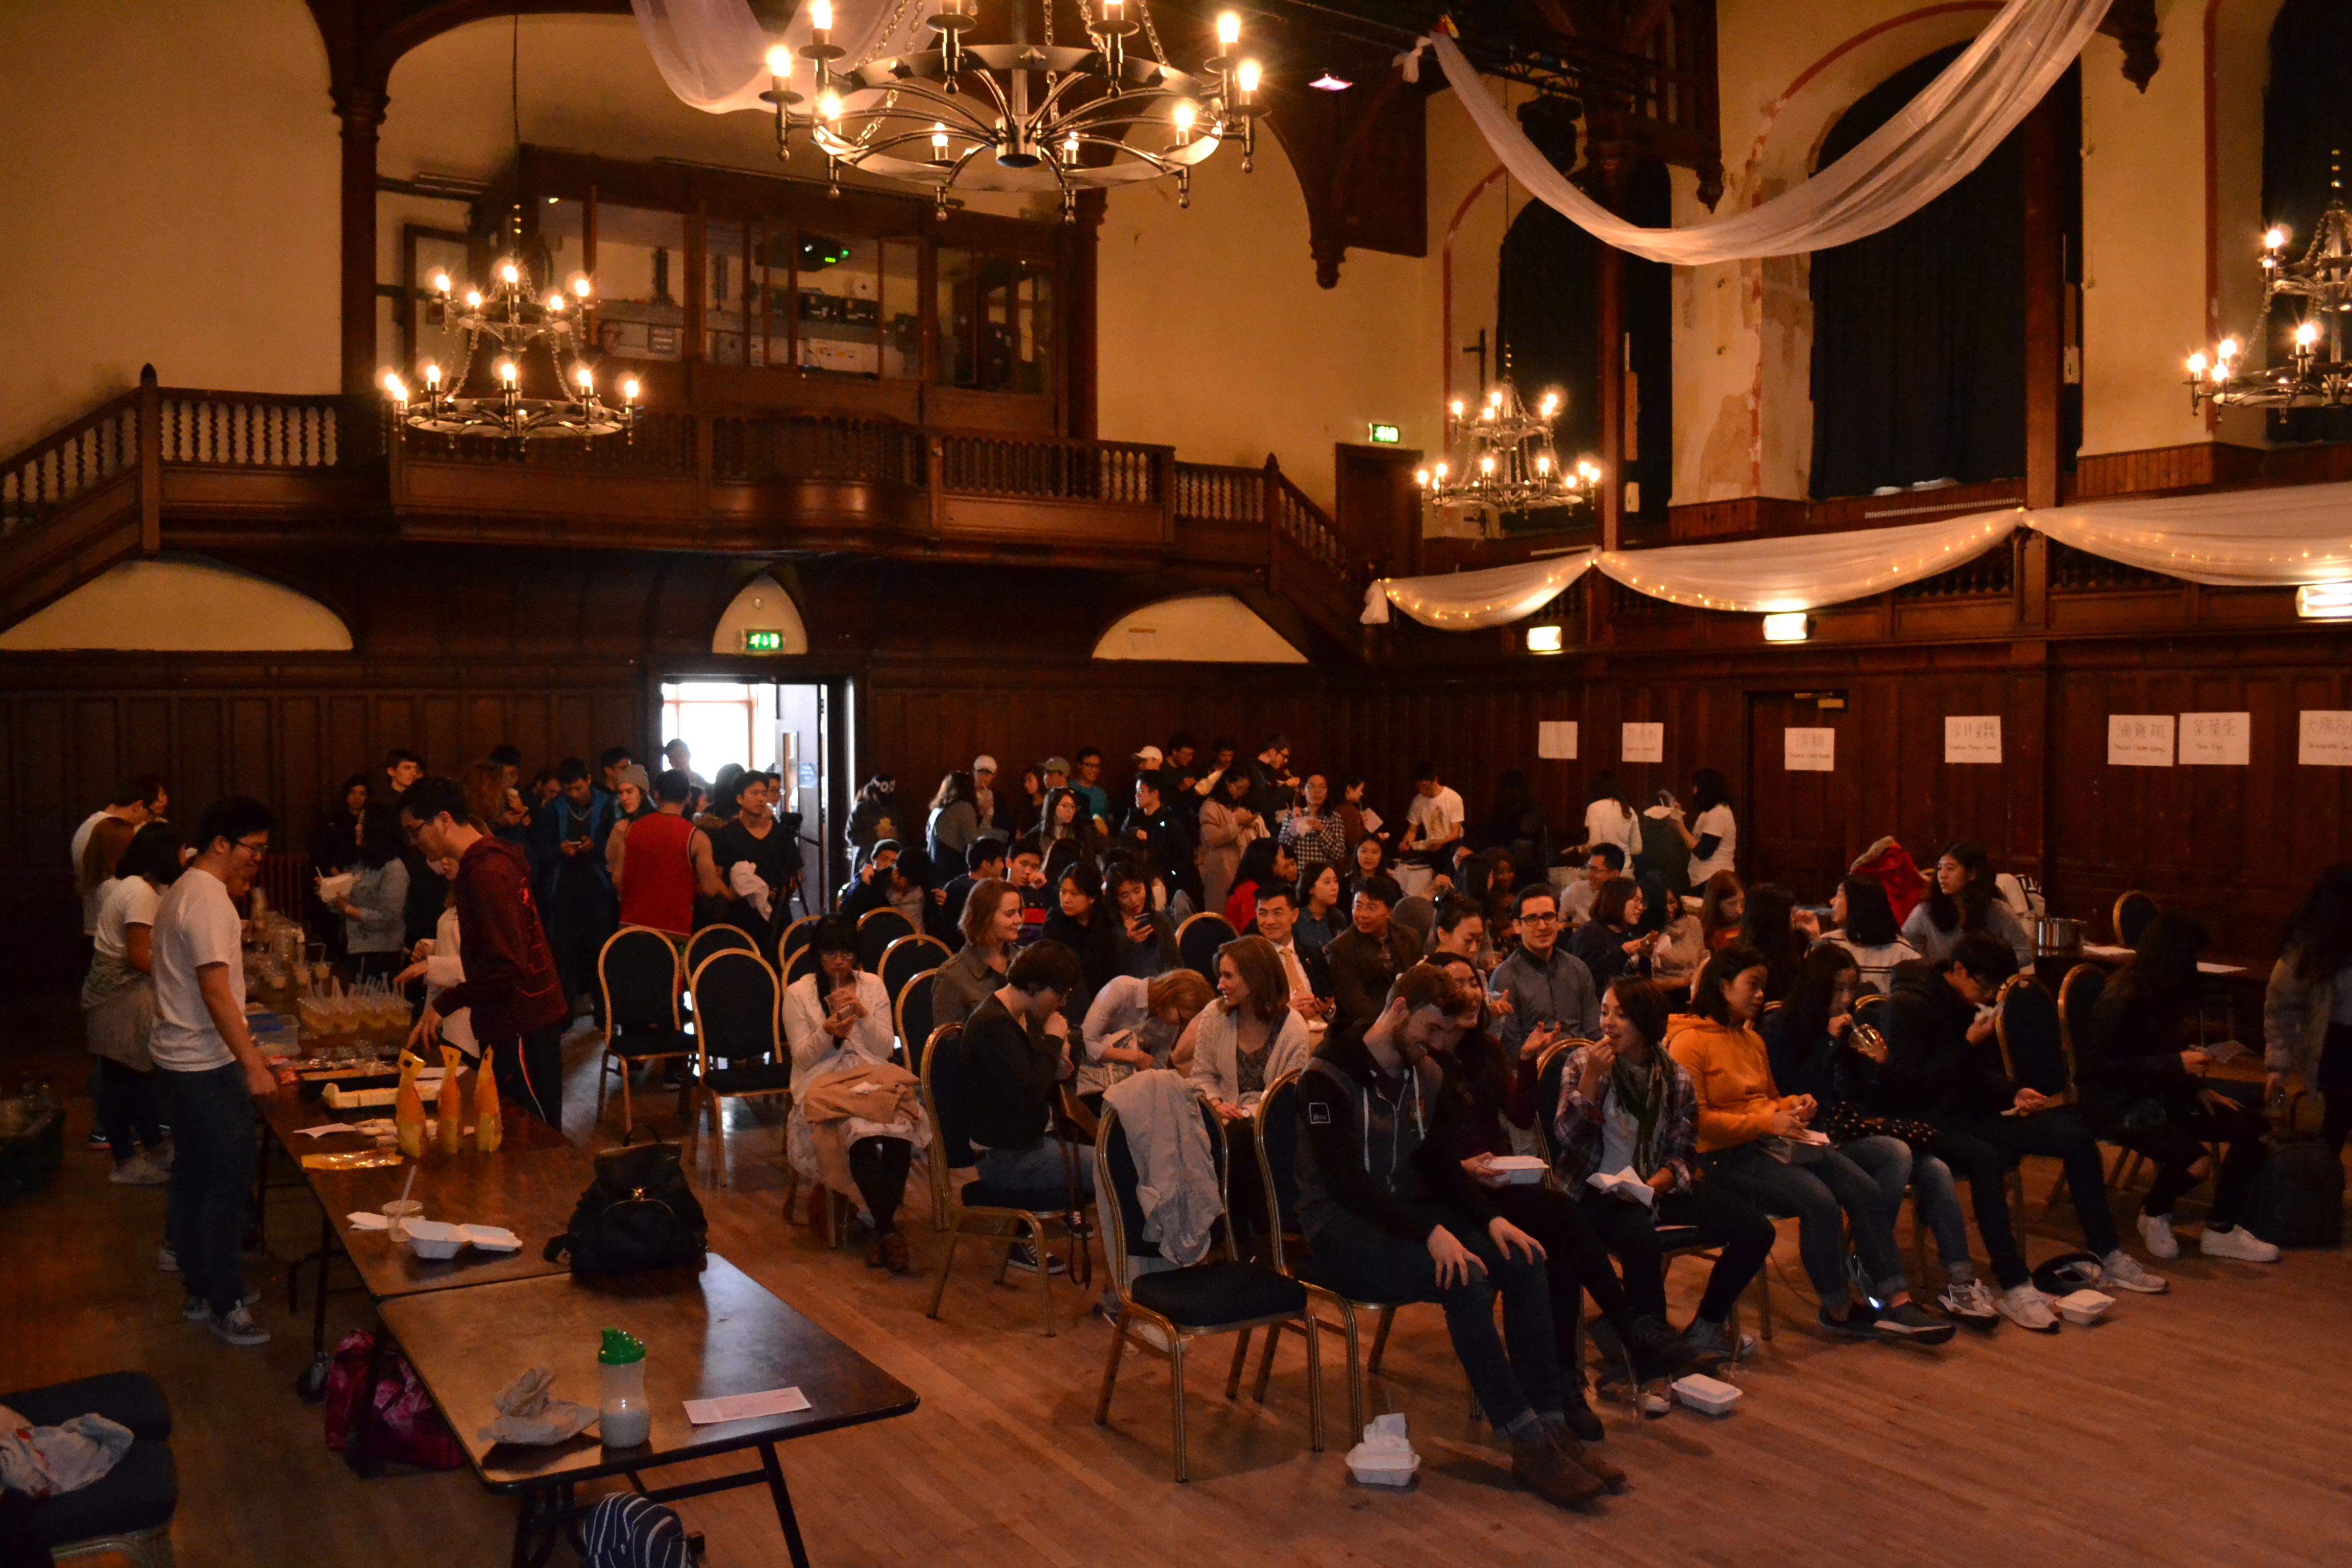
1576	1125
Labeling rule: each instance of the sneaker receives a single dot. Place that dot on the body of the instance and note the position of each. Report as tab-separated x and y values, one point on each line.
98	1141
1657	1350
2024	1306
166	1260
1024	1260
1716	1341
2124	1273
2156	1234
138	1170
1854	1325
194	1308
1906	1322
1859	1276
1971	1303
1547	1470
2237	1241
237	1327
1656	1397
161	1155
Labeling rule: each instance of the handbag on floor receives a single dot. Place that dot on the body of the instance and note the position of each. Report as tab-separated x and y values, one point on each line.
625	1531
2298	1197
639	1213
401	1424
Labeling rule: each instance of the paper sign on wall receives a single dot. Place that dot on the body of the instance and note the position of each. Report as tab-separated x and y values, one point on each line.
1556	740
2139	740
2215	740
1643	744
2326	741
1972	738
1810	750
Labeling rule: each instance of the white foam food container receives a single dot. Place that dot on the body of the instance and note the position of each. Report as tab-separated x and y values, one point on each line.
1519	1170
433	1237
2085	1307
1384	1469
490	1237
1710	1395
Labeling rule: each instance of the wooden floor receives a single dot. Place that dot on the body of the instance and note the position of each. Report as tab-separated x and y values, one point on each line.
2207	1427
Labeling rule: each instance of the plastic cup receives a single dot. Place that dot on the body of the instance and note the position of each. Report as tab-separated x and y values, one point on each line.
398	1213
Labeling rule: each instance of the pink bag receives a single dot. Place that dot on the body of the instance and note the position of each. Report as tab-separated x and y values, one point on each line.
404	1427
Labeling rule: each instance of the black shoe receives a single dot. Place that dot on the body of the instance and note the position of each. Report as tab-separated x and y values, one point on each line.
1909	1324
1864	1288
1657	1350
1854	1325
1024	1260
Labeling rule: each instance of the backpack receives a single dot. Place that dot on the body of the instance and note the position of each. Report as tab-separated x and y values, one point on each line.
639	1213
625	1531
406	1428
2298	1197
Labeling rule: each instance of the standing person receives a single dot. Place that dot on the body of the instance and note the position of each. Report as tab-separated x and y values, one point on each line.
2308	1005
1542	983
996	813
1358	820
615	761
1180	785
1962	900
401	767
991	934
101	850
1313	832
681	755
2143	1087
518	1003
1272	783
633	799
136	802
374	908
1068	833
955	820
1609	820
1433	821
1153	835
573	885
1714	834
1027	803
666	863
755	839
207	1071
1087	783
118	1002
873	817
331	837
1228	828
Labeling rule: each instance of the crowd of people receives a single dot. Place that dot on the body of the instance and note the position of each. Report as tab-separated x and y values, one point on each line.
1688	1050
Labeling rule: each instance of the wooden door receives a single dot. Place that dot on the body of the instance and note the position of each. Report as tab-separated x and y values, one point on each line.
1377	505
1800	827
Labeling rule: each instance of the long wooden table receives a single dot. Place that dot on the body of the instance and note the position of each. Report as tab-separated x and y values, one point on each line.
708	1333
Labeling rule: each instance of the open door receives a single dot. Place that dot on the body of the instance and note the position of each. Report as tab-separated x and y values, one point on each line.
784	728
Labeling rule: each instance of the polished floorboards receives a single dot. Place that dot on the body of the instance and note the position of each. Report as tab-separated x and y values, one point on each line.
2213	1424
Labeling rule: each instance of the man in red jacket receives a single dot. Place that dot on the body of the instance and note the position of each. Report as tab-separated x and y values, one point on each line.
519	1006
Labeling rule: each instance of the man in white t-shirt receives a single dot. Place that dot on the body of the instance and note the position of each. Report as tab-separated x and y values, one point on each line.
138	801
207	1071
1433	821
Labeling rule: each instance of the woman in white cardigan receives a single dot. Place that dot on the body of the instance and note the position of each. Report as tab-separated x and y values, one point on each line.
1250	1036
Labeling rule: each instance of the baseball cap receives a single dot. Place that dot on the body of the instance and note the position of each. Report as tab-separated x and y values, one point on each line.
1055	765
983	763
1148	757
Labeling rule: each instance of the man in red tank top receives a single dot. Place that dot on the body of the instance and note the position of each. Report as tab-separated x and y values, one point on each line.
666	861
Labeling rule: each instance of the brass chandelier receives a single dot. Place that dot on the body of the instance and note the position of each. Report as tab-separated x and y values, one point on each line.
1026	116
1501	459
2316	374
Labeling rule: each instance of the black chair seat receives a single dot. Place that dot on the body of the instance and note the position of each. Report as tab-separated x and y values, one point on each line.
1037	1200
1216	1293
140	1493
651	1042
752	1078
130	1399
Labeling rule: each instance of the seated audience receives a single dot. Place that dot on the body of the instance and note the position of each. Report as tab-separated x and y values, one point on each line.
1068	834
1625	1104
992	933
1961	901
1459	931
1543	984
1264	864
1722	905
1016	1054
984	861
1024	867
1862	923
1366	859
1133	1024
1250	1036
1143	938
2141	1087
1389	1217
1306	972
2307	1006
1088	782
1320	915
1228	828
1080	924
1601	862
838	1024
1770	924
118	1003
1368	957
1611	942
1675	962
1759	1144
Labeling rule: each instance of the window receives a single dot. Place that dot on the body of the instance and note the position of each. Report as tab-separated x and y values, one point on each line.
640	281
840	303
995	322
723	721
2305	124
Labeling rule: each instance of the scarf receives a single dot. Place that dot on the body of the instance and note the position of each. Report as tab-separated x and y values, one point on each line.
1641	1094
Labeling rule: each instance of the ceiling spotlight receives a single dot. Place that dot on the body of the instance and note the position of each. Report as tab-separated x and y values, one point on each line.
1327	83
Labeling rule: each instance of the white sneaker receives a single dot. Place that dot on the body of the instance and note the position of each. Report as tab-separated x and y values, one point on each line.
196	1310
2124	1273
2025	1306
161	1155
138	1170
166	1260
1972	1302
2156	1234
237	1327
2237	1241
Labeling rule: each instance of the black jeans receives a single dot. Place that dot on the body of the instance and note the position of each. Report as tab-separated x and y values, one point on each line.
530	1072
1570	1248
1817	1193
2334	1085
1366	1263
1981	1149
126	1109
1723	1219
212	1176
878	1166
577	924
2180	1143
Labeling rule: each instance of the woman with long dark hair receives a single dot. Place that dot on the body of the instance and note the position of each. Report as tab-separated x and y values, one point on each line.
1611	944
331	837
1961	899
2142	1087
1722	906
955	820
1863	925
1228	828
1264	864
1769	925
118	1002
1313	832
374	907
1608	819
1079	922
1322	914
1143	941
1068	833
2307	1007
1714	834
1368	862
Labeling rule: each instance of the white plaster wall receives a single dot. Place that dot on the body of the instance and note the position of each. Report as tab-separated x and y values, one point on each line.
181	604
1199	629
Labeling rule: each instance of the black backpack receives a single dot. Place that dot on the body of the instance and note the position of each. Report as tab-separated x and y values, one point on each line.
2298	1198
639	1213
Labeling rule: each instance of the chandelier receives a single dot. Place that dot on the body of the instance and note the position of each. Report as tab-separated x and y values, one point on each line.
1502	460
536	343
1025	116
2316	374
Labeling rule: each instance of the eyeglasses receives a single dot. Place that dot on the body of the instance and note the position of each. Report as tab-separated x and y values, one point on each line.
1536	920
251	848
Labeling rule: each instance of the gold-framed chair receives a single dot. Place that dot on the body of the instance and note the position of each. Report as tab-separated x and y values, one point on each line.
999	1217
911	1016
717	938
638	970
1227	1296
738	1019
2132	912
877	930
908	957
1198	939
793	937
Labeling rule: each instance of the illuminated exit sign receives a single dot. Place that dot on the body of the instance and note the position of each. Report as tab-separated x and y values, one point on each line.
1386	435
764	642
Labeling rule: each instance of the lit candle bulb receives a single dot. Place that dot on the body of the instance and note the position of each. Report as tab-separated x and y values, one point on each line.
1070	148
1113	10
1247	79
629	390
1550	403
780	64
440	282
828	104
1229	28
473	299
1184	116
432	377
1421	478
1543	464
2197	363
1457	409
582	286
507	371
1440	471
2306	334
821	18
393	389
1486	465
554	302
586	378
508	273
2274	239
939	142
2228	349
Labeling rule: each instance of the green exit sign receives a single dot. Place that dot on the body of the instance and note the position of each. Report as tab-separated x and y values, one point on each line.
1386	435
764	642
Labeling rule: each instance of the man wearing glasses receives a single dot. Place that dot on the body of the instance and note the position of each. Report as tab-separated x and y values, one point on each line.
207	1071
1542	983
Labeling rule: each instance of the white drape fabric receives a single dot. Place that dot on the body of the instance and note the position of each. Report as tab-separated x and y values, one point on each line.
1463	600
714	53
2275	538
1923	151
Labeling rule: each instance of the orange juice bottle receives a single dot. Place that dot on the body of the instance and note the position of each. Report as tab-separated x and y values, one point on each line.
408	1108
489	1131
452	1104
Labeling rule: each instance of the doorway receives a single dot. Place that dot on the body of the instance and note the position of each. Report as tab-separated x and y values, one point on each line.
784	728
1800	828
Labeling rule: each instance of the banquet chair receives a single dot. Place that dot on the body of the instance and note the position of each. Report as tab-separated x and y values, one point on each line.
877	930
1197	941
717	939
910	1013
2131	914
1416	912
638	970
2078	996
793	938
998	1215
908	957
737	1021
1220	1295
126	1514
2033	1054
801	963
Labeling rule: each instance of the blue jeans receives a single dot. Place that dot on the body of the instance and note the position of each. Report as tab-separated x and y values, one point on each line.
1816	1195
211	1116
1895	1165
1044	1168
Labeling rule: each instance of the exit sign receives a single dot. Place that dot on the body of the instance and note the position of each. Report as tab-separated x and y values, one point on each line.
764	642
1386	435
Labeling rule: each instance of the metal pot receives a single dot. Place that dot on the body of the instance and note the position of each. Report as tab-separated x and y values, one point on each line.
2057	935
